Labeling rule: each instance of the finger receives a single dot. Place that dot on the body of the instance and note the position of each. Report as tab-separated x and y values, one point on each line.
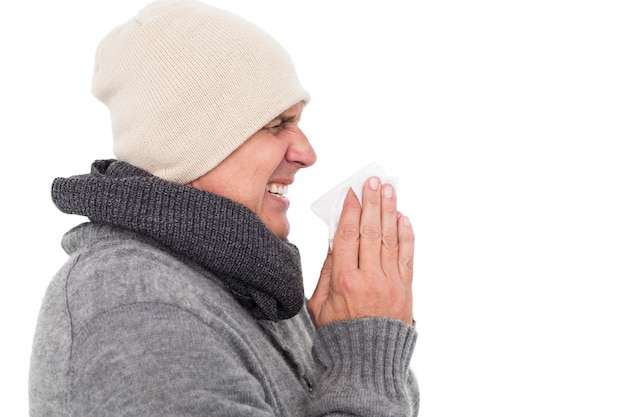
370	227
406	248
346	240
389	238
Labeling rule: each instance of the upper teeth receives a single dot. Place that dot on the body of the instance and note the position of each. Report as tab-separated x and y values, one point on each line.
277	189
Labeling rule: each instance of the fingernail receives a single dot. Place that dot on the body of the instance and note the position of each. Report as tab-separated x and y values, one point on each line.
406	221
374	183
387	190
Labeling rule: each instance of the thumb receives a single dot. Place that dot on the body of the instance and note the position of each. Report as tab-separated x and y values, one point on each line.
322	288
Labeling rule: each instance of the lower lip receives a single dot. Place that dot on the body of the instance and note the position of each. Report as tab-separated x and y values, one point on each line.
281	200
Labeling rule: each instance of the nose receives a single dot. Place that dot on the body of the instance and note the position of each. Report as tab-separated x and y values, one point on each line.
300	151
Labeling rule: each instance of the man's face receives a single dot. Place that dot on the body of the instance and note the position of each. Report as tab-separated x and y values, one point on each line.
258	172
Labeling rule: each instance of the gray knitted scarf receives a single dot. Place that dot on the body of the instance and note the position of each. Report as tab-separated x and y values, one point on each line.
262	271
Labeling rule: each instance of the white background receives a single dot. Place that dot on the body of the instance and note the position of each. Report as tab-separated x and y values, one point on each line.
504	120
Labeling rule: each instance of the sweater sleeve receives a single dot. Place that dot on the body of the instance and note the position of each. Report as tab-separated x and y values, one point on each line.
364	369
154	359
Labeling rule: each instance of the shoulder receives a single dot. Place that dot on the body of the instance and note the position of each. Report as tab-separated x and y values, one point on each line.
112	269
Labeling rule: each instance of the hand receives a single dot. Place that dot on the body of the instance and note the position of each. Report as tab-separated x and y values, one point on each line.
369	272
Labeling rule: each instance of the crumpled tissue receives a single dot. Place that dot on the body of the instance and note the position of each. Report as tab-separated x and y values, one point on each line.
328	207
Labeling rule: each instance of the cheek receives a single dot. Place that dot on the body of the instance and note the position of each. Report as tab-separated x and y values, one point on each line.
254	193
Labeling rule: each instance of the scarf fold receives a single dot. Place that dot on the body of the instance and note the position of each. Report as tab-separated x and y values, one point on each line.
262	271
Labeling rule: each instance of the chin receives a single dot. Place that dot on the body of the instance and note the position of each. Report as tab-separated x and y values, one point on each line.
282	231
283	235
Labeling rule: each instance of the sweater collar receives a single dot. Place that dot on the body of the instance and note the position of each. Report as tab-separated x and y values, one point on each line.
262	271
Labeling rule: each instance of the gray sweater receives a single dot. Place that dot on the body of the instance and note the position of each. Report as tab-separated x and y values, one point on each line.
130	327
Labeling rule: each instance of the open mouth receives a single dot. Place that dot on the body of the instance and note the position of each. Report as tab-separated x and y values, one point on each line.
278	190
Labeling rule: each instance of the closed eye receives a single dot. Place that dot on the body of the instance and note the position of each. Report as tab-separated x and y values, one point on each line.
274	124
279	122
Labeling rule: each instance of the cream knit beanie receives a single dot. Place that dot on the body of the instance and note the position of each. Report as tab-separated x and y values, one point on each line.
187	83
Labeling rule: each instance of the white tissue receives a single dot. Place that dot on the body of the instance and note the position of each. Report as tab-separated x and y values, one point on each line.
328	207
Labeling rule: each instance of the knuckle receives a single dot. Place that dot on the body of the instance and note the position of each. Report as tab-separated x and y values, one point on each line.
370	231
390	240
407	263
377	289
349	232
371	200
344	284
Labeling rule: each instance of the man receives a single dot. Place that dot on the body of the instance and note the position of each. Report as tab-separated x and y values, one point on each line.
181	295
